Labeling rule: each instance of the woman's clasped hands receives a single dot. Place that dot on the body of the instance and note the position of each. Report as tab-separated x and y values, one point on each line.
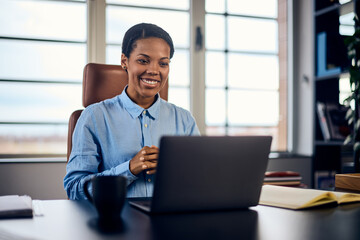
145	160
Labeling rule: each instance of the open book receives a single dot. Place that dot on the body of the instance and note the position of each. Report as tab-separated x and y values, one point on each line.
300	198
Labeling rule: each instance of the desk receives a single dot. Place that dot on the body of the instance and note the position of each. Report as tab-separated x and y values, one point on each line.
65	219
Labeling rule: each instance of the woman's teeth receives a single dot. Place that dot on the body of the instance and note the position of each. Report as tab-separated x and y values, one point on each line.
149	81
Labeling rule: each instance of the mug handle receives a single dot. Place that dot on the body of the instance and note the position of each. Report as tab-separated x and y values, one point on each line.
86	191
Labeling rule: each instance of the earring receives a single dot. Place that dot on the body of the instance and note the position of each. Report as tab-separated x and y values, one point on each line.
124	67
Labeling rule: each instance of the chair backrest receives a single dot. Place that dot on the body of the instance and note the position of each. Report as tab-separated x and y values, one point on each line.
100	82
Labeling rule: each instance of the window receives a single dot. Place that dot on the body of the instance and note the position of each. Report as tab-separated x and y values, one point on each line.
242	77
41	62
43	55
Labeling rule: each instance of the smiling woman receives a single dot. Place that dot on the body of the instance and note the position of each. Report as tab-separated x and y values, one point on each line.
120	136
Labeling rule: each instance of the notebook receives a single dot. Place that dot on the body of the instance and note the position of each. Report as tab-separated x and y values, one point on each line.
199	173
15	206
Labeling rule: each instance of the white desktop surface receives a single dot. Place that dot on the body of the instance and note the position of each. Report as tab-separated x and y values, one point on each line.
61	220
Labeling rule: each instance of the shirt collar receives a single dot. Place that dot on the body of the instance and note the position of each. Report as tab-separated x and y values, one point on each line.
135	110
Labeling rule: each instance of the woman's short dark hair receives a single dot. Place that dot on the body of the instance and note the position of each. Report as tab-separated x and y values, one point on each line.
141	31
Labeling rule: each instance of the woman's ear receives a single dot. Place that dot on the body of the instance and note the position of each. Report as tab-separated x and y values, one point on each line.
124	61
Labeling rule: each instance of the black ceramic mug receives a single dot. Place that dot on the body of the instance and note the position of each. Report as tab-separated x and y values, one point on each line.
108	196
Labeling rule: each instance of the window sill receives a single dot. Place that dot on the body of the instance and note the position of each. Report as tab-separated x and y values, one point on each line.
33	158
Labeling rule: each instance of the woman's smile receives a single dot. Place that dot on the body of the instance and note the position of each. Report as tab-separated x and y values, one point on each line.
150	82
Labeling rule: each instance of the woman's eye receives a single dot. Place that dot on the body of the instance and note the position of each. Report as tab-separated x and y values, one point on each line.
142	61
164	64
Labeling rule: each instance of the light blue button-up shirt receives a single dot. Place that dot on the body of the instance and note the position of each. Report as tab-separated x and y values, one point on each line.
110	133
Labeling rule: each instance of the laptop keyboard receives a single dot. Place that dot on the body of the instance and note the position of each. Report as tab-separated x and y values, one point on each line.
143	202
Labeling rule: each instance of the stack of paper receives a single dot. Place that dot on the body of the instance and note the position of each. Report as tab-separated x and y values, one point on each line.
286	178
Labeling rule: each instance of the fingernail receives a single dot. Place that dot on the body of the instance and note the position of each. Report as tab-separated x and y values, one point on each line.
141	158
144	166
148	172
143	152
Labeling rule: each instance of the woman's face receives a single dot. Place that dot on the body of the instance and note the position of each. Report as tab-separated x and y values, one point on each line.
148	69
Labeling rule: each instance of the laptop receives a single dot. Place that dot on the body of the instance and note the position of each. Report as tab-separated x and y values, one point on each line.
200	173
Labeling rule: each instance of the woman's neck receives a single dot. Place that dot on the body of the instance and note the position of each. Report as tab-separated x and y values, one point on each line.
144	102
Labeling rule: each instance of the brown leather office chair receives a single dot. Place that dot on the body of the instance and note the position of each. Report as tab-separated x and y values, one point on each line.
100	82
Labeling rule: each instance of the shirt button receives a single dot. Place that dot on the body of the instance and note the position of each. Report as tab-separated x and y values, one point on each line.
146	125
149	180
144	112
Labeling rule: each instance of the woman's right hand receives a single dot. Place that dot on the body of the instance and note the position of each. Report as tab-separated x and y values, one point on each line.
145	159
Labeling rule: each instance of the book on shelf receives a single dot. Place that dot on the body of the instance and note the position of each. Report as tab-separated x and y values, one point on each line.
302	198
332	121
324	67
323	121
282	178
325	179
339	128
14	206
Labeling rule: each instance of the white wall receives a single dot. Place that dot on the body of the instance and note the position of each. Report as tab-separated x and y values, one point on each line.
303	62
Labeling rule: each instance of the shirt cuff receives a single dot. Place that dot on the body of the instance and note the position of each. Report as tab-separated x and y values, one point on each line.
124	170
